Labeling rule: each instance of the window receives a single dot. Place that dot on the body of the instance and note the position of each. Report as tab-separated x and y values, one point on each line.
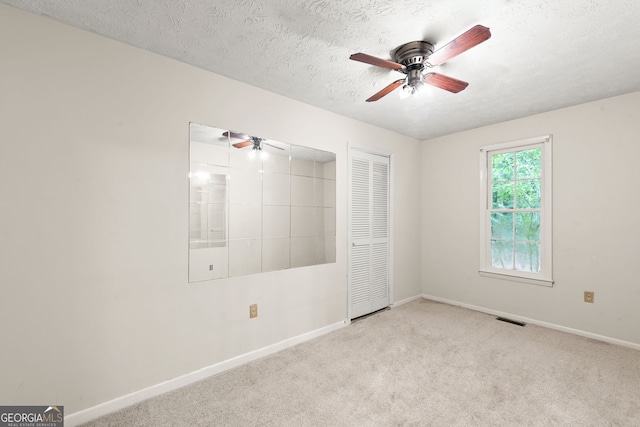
515	210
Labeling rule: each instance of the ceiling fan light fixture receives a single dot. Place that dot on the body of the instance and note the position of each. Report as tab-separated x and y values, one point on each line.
408	90
411	88
405	92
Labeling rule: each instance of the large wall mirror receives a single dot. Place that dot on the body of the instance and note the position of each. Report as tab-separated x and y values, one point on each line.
257	205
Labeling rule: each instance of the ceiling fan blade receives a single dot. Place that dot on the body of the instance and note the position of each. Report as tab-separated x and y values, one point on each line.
462	43
390	88
368	59
444	82
242	144
235	135
273	146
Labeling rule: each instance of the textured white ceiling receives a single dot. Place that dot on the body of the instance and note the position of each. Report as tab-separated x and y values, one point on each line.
542	55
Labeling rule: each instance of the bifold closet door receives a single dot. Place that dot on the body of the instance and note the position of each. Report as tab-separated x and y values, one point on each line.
369	233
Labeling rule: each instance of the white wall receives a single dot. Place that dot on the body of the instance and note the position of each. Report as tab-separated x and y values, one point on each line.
596	151
93	235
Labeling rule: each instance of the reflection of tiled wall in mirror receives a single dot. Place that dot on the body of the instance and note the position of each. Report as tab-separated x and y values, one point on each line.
278	210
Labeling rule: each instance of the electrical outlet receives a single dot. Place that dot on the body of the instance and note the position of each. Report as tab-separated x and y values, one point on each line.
588	296
253	311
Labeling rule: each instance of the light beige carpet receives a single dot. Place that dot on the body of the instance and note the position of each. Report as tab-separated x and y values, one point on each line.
421	364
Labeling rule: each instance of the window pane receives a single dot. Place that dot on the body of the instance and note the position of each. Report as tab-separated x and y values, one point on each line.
528	194
502	167
501	254
502	225
528	257
528	226
502	195
528	163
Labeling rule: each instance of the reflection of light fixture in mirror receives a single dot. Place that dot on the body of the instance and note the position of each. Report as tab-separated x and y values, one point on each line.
257	148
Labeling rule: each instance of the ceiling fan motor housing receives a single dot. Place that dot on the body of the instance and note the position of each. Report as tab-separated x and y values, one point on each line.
413	53
413	56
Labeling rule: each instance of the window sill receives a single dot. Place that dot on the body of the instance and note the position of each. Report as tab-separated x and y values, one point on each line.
538	282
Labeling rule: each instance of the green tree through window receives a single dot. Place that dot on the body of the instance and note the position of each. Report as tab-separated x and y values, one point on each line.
516	201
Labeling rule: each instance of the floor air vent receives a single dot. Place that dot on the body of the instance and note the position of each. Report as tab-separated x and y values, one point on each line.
514	322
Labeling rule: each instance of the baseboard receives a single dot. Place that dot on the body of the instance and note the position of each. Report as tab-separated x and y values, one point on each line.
122	402
536	322
405	301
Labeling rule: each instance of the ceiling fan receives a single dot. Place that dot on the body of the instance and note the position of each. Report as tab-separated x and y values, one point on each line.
256	142
415	58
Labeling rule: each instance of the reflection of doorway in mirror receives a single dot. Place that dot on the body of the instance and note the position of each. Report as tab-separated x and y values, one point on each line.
208	210
208	222
208	204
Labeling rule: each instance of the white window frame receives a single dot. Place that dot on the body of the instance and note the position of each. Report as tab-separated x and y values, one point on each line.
545	276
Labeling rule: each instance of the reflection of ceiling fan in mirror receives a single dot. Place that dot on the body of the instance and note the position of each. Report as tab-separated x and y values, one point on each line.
256	142
415	58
